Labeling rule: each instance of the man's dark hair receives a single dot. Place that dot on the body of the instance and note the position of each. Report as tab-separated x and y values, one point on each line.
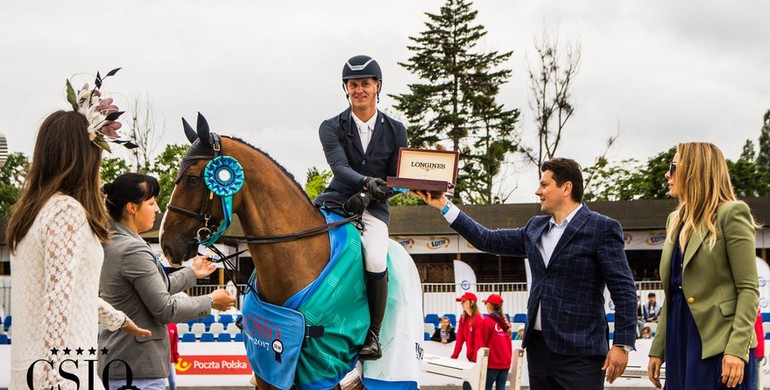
566	170
652	294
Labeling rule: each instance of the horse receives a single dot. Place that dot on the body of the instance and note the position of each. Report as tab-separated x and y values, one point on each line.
269	204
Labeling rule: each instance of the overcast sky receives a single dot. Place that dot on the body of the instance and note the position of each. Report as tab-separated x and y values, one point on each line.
269	72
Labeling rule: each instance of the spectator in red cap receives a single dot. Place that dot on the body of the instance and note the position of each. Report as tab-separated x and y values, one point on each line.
495	333
469	321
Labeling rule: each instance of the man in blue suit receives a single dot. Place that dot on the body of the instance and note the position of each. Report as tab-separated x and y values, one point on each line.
573	253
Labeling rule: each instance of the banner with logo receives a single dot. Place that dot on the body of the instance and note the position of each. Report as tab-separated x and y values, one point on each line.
213	365
764	285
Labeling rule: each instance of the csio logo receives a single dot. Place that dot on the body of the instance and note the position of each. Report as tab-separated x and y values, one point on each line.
68	368
438	243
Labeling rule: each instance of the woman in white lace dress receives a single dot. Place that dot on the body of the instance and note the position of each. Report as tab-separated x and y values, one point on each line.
55	234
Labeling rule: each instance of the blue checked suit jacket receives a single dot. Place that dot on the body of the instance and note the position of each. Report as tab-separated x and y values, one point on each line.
570	291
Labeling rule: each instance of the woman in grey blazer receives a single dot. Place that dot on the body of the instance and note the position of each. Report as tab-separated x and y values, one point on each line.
134	281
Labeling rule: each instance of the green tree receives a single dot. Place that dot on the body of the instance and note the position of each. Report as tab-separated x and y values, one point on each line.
113	167
748	179
165	167
606	181
763	157
457	101
12	176
628	180
316	181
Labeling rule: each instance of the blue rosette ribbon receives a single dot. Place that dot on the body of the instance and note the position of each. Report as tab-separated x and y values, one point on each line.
224	177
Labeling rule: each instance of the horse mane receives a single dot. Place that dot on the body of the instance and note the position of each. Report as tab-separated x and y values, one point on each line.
287	173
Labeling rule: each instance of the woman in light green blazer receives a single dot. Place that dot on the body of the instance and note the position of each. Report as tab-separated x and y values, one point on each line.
706	326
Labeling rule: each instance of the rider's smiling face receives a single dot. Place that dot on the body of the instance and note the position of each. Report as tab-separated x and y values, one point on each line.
363	93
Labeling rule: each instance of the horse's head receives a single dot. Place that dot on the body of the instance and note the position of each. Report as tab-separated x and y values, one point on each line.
185	221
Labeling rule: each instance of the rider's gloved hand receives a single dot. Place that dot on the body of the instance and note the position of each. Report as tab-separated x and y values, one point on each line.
357	203
372	185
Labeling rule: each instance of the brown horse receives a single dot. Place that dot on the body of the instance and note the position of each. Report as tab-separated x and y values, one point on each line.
270	203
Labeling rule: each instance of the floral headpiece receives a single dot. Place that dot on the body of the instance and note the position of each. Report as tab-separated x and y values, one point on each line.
100	113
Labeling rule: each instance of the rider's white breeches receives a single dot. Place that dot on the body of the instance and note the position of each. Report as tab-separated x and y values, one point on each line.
375	243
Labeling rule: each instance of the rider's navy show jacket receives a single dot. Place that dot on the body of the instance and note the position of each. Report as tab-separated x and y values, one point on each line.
351	164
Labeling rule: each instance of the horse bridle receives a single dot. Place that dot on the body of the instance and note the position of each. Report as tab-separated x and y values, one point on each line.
204	213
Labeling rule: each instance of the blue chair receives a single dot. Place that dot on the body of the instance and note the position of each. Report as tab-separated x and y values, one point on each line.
426	336
207	337
767	336
7	323
188	338
226	319
452	319
191	322
520	318
611	317
765	317
224	337
238	338
4	339
433	319
208	320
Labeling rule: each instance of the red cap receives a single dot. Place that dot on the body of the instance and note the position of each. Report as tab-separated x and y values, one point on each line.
469	296
494	299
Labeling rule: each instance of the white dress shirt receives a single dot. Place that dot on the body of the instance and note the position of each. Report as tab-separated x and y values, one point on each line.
365	129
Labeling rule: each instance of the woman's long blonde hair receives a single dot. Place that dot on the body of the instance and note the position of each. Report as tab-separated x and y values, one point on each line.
703	183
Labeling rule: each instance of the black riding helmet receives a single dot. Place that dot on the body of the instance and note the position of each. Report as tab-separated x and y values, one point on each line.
361	67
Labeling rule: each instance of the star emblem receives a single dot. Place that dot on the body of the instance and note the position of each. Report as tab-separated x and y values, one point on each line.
54	351
79	351
92	351
66	351
104	350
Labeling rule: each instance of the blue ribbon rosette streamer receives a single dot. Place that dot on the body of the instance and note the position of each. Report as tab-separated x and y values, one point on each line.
224	177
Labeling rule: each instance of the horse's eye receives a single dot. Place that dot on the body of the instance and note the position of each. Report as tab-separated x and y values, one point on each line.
193	181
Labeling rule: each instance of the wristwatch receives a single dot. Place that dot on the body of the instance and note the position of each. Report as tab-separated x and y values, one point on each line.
625	348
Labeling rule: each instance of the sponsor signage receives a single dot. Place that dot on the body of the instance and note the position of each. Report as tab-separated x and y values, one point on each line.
213	365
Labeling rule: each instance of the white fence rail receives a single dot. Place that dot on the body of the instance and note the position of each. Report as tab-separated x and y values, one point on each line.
437	298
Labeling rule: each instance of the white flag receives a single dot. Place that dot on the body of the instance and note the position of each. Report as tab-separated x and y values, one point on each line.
465	278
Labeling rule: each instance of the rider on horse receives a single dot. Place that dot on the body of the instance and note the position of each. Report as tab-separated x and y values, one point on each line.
361	146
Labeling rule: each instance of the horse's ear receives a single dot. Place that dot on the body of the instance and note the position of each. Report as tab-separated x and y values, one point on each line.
189	132
203	130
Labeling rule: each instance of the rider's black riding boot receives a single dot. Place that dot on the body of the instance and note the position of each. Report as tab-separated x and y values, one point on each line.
377	292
